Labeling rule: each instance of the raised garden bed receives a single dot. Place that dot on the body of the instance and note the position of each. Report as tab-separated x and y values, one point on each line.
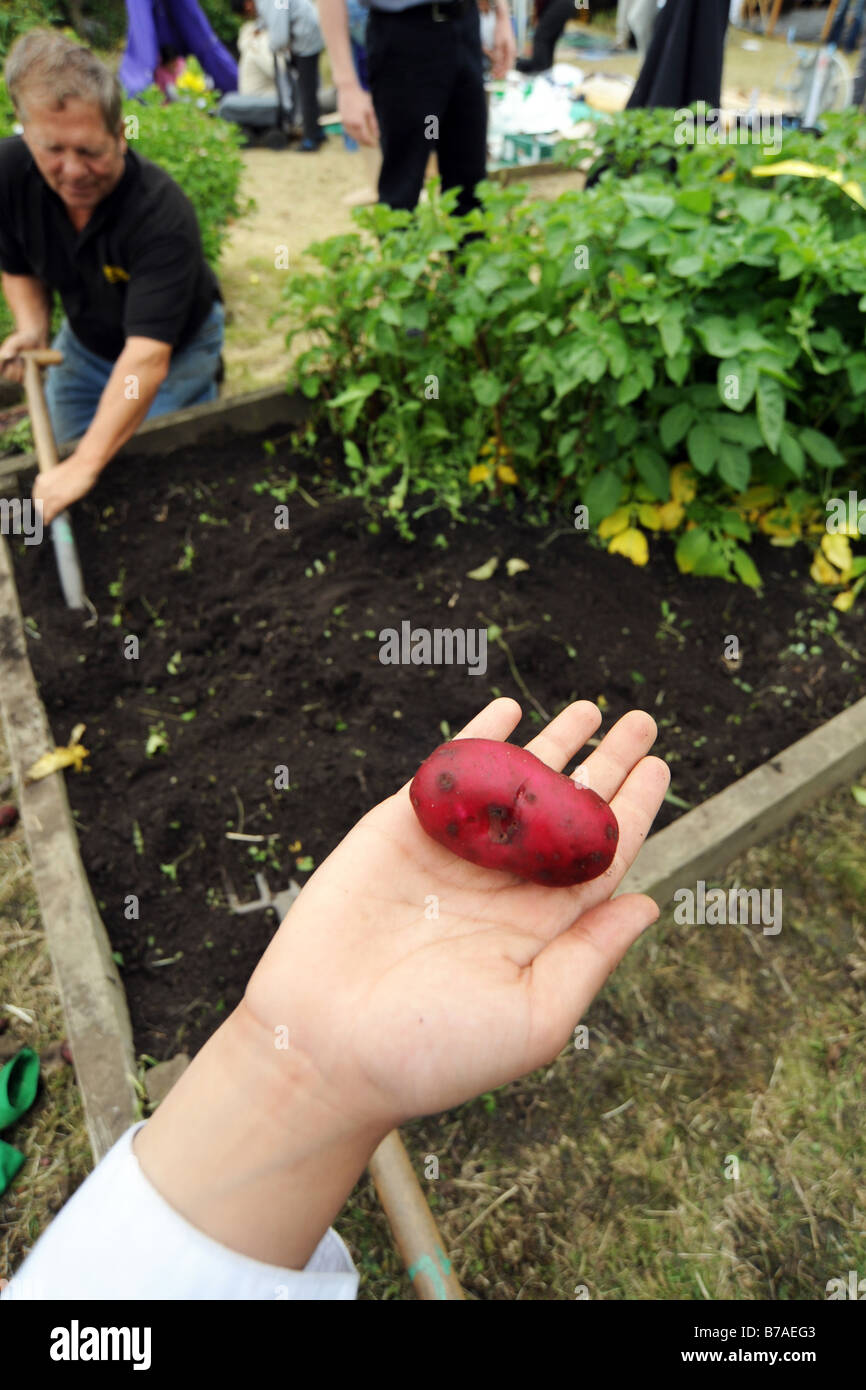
268	642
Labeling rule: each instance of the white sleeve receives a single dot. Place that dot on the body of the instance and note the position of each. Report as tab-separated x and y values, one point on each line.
117	1237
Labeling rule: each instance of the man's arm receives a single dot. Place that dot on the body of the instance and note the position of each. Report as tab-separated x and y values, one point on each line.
504	45
354	105
30	304
129	392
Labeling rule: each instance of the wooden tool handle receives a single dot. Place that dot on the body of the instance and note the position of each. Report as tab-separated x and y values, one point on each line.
412	1224
43	435
43	357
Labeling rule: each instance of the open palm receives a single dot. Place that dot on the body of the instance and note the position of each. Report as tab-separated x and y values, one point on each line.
412	980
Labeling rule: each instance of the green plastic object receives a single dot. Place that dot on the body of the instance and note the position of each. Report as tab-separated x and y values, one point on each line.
19	1082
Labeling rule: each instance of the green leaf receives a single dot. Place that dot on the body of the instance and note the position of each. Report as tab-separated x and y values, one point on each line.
697	200
859	795
753	206
462	329
713	563
674	424
601	495
671	330
771	412
526	321
635	234
856	368
821	449
703	448
657	205
734	466
353	455
738	380
738	429
718	335
691	546
686	266
651	467
628	390
734	525
486	388
746	569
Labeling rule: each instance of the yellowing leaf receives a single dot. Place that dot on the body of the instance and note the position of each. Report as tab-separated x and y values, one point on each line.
837	548
72	756
295	847
601	701
823	572
478	473
485	571
844	601
515	565
800	169
613	524
854	191
727	176
671	515
505	473
633	544
779	523
684	486
759	496
650	517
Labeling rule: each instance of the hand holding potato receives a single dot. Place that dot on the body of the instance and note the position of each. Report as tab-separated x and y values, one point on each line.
411	981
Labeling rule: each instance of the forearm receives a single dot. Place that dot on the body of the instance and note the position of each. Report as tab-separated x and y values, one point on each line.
30	304
334	23
251	1149
125	401
503	9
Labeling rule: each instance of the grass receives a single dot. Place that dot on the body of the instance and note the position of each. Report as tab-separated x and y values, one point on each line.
51	1135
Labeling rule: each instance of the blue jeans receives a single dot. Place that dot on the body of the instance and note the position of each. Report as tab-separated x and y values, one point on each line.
73	390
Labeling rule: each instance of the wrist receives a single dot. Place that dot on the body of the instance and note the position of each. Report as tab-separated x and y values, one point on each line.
252	1148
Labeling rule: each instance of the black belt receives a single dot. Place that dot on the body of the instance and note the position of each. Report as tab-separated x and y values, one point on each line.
439	12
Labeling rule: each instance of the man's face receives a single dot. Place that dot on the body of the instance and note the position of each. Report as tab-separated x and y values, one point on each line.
75	154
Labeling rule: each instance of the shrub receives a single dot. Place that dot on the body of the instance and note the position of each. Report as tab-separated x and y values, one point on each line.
200	151
690	314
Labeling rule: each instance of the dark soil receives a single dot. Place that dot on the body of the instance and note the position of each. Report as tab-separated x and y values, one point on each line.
268	641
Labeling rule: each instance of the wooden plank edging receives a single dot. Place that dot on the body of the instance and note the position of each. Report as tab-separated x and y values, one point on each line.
255	410
703	841
91	992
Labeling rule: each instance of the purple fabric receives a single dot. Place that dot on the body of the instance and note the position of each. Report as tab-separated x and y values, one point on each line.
178	24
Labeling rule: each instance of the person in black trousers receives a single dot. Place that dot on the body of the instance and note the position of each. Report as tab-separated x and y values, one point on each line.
425	71
551	17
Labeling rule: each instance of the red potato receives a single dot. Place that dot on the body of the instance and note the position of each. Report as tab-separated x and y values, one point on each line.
501	807
8	817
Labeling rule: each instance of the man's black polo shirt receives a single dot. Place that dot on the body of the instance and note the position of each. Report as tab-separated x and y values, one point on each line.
137	268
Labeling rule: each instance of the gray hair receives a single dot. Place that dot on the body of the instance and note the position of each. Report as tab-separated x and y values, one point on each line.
54	70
